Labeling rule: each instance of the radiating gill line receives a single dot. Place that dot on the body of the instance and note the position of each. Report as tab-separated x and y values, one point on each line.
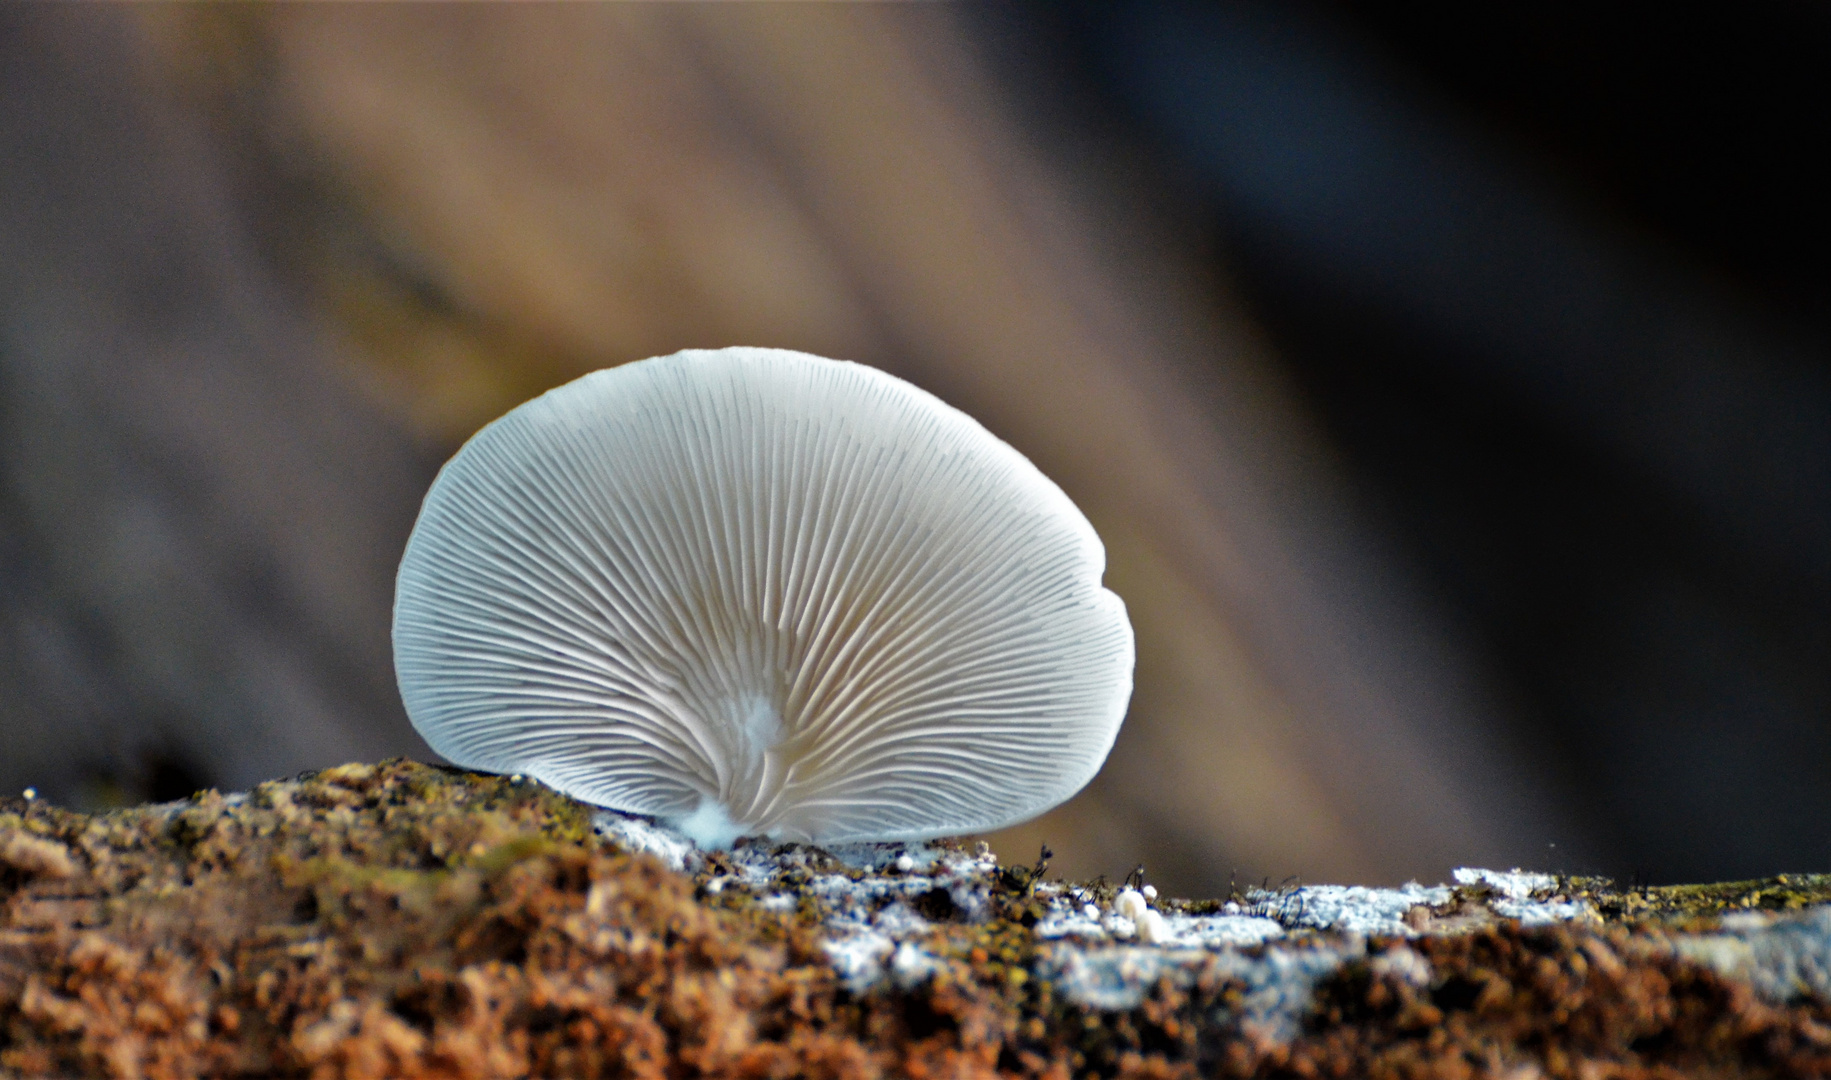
830	531
644	614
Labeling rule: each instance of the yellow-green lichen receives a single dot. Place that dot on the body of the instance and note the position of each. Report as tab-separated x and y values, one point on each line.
1686	903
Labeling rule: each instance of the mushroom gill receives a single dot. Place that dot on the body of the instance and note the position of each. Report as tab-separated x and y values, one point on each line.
758	592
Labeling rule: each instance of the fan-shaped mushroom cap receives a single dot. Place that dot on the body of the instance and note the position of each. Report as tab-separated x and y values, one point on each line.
752	591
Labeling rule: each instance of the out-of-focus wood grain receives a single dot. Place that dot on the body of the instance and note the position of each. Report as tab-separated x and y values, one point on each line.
483	202
199	519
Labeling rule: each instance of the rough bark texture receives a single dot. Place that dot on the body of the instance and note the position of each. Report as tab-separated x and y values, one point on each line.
407	920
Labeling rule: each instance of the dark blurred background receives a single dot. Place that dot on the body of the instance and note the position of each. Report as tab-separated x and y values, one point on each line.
1450	383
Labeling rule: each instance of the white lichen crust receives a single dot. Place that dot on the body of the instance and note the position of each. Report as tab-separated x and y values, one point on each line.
751	591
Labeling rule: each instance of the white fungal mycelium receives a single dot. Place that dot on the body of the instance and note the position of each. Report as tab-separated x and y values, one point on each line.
757	592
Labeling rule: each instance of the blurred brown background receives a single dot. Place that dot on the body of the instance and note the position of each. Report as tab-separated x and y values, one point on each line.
1467	475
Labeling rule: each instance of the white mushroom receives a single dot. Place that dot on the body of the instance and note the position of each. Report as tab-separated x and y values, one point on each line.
757	592
1153	928
1131	904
